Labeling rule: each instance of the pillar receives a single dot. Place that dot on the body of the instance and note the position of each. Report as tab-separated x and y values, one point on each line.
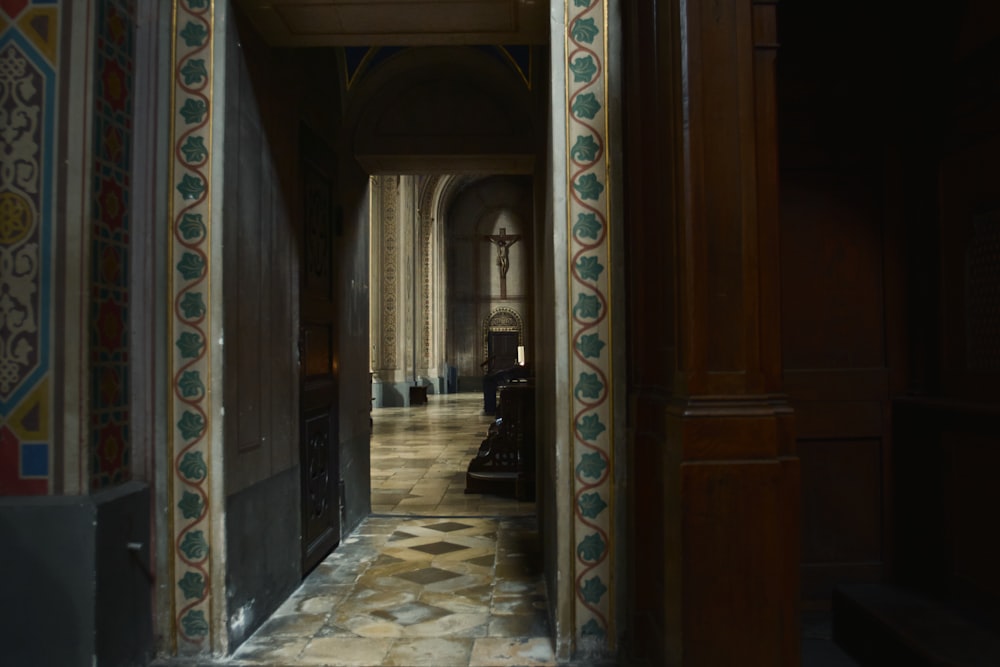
732	475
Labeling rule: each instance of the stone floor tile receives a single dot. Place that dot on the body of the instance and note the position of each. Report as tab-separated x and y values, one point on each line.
345	652
430	652
511	652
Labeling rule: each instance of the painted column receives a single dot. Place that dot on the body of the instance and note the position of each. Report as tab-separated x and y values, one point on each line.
194	334
588	198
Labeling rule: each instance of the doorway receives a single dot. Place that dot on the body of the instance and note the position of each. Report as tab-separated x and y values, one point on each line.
512	102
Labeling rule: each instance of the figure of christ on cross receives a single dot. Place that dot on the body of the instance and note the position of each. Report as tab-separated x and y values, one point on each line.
503	243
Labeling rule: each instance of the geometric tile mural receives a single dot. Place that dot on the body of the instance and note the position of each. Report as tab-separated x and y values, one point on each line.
110	449
590	319
29	38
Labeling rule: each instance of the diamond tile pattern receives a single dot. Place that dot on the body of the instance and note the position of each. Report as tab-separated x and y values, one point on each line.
439	548
428	575
449	526
398	593
447	589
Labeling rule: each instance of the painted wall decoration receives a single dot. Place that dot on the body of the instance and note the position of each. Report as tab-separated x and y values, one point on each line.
29	47
110	449
190	326
389	201
590	318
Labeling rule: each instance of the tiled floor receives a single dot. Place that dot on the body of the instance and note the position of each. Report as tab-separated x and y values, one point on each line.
420	454
434	576
416	591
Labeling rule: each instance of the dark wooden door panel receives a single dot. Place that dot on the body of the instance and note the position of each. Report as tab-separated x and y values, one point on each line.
503	350
319	447
320	508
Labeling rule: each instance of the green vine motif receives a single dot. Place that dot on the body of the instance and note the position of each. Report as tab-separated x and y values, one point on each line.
191	425
585	149
193	467
197	4
194	71
589	268
191	266
194	110
190	505
588	386
587	305
586	106
592	629
587	226
193	34
192	584
593	589
589	187
582	3
585	30
583	69
590	345
591	548
194	545
591	465
591	504
191	187
590	427
194	623
191	385
193	305
190	345
192	226
194	149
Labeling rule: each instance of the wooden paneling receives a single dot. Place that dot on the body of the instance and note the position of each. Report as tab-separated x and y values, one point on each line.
834	301
945	496
715	495
261	376
840	511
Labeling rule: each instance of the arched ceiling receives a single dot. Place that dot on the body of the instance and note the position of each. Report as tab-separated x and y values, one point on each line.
442	110
398	22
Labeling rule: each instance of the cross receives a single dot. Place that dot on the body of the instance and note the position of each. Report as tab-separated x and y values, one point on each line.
503	243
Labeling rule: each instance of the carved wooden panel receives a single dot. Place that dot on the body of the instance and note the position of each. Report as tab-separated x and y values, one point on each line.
318	218
320	480
319	445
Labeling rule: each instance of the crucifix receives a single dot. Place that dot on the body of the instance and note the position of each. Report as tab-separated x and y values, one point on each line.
503	243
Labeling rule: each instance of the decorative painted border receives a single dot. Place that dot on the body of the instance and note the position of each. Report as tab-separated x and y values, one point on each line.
110	447
429	189
590	318
389	203
190	325
30	34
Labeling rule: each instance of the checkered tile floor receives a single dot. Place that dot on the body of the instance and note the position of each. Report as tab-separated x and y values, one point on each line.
447	592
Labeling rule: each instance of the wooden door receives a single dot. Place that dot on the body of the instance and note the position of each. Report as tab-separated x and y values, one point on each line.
502	350
317	345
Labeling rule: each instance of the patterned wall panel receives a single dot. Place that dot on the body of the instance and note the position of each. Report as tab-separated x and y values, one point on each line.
590	318
109	271
389	187
29	46
190	326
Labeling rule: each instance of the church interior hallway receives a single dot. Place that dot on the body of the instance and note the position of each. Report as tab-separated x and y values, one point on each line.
433	576
419	456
